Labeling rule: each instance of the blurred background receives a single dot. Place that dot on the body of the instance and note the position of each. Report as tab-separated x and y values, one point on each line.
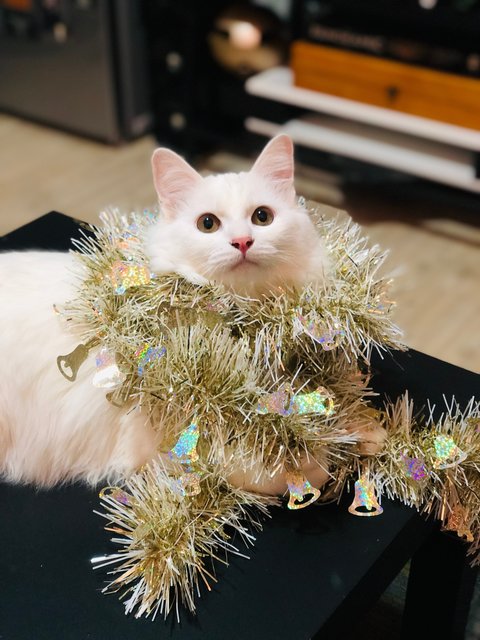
382	98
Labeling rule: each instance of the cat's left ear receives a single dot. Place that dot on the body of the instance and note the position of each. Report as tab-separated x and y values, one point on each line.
275	164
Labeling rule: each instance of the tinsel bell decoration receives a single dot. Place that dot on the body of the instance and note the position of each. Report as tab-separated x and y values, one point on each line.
300	488
365	502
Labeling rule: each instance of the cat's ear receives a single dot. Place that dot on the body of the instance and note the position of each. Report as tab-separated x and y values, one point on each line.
173	179
275	164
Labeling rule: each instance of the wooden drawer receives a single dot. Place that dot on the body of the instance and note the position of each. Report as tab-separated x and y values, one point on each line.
385	83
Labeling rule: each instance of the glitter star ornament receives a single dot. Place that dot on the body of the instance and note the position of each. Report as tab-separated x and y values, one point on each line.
117	494
365	502
285	403
146	355
300	488
457	521
328	338
125	275
107	375
446	452
188	484
277	402
129	238
319	401
414	468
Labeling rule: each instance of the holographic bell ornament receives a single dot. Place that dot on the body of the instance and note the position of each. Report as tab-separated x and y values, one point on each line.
185	450
299	488
107	375
365	498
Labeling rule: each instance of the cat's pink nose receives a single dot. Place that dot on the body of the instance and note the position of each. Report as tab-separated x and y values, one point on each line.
242	244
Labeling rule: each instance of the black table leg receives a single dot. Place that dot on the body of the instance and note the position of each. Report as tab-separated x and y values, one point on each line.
440	589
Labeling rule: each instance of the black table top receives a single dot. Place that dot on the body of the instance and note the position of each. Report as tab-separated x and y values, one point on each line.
311	571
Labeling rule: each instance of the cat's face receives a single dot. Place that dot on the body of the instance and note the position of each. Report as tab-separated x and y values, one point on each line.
243	230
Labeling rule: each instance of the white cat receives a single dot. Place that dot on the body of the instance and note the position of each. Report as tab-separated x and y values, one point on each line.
245	231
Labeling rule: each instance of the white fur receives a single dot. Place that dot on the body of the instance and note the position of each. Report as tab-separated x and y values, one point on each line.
286	253
53	430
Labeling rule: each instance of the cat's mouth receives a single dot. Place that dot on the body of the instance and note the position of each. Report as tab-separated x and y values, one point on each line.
243	263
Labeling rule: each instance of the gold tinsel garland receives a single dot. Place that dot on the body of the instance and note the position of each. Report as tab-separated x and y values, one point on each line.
261	385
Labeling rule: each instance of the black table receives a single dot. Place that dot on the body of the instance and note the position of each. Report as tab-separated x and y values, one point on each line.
312	572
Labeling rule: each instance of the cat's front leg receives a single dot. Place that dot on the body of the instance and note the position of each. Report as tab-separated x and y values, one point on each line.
5	443
370	437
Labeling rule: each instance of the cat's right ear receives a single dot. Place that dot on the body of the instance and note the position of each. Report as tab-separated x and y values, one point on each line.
275	164
173	178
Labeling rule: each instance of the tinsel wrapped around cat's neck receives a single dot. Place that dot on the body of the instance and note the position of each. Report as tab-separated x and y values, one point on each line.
119	280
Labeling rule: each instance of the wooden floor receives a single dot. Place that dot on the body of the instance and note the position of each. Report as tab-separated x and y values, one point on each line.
435	258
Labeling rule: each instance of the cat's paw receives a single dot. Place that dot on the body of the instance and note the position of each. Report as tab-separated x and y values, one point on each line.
192	277
259	480
370	437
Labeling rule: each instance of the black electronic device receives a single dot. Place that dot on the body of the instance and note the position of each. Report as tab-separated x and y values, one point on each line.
439	34
78	65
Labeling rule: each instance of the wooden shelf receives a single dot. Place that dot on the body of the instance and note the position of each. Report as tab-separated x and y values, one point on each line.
405	88
426	148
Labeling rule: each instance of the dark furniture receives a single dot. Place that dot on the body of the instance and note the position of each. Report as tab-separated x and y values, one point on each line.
312	573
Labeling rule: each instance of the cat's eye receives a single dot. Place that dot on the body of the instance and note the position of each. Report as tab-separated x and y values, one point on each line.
208	223
262	216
